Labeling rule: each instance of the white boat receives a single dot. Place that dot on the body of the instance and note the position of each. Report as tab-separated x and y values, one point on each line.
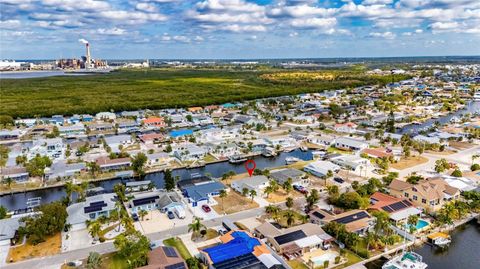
442	242
289	149
269	152
410	260
290	160
476	97
318	154
303	148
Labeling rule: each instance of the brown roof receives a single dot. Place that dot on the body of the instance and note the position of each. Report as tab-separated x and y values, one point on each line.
157	259
399	185
148	137
382	199
106	160
434	188
5	171
379	153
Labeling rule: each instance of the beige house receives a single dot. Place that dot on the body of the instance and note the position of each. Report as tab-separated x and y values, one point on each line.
431	194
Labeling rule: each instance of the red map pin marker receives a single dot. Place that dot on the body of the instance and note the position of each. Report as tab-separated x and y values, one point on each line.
250	166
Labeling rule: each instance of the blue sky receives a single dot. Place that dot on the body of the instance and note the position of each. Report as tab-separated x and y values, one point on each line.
176	29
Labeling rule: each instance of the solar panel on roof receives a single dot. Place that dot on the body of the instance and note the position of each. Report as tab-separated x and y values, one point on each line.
98	203
143	201
285	238
179	265
354	217
244	261
170	252
407	202
387	209
318	215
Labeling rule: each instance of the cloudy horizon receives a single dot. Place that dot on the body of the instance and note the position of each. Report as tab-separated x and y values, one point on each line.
236	29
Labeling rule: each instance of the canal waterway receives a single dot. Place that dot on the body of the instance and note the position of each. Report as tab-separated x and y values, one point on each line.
18	200
463	252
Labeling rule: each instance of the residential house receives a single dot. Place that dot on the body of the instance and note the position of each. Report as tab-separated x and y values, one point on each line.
256	183
118	142
398	209
322	140
150	139
91	209
348	127
105	116
430	194
282	175
347	143
189	152
9	134
62	169
8	231
72	130
380	153
16	173
199	190
51	147
164	258
353	163
156	159
321	168
154	122
107	164
355	221
294	241
239	249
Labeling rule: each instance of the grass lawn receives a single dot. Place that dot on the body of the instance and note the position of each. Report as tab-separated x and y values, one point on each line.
109	261
156	88
106	230
179	245
51	246
282	220
280	196
339	151
234	202
409	162
209	158
351	257
296	264
460	145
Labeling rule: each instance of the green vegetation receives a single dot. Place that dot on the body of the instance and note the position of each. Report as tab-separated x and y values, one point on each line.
178	244
160	88
50	220
133	247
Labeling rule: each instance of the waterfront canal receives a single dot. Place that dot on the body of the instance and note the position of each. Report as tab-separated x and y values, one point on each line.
463	252
18	200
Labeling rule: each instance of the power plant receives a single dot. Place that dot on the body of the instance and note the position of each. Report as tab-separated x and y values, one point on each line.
86	62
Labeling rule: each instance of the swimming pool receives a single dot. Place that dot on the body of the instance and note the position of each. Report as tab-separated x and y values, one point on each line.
319	260
420	224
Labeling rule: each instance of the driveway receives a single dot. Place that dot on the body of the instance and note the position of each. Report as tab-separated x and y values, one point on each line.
3	254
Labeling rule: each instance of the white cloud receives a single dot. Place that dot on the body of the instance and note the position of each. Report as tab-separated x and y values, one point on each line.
10	24
386	35
113	31
314	23
146	7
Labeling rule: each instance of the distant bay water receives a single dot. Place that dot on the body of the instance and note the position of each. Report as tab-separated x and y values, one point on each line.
36	74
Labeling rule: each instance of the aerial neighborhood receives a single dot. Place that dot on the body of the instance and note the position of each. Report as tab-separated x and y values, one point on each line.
340	177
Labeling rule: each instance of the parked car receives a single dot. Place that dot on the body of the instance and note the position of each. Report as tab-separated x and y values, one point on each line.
75	263
339	180
300	189
206	208
170	215
135	217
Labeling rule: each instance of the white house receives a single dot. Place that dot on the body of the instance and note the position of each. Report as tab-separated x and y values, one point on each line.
348	127
105	116
158	159
350	144
351	162
189	152
91	209
257	183
117	141
321	168
322	140
51	147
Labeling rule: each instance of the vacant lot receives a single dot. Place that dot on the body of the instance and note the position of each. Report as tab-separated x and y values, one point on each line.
156	88
234	202
51	246
409	162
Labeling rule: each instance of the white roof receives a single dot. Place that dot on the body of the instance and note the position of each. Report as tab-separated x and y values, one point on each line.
268	260
309	241
403	214
461	183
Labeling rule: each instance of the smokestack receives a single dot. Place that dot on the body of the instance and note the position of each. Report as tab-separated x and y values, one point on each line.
87	65
87	47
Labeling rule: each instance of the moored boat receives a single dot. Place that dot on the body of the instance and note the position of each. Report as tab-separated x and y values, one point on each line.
409	260
291	160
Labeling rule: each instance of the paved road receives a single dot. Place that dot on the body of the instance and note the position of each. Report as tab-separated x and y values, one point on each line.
52	261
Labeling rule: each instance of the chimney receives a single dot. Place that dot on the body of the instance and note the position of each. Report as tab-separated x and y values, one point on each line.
87	64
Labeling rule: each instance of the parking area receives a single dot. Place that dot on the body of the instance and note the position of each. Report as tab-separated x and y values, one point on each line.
200	213
3	254
156	221
73	240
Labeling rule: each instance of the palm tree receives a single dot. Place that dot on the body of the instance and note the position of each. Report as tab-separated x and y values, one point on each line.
289	202
274	185
9	182
70	188
94	260
244	191
412	221
327	176
370	239
223	194
287	185
268	190
273	210
474	157
142	213
303	218
195	227
82	191
94	229
290	216
94	168
253	193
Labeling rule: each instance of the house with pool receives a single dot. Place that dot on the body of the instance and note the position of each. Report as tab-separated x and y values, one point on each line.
430	194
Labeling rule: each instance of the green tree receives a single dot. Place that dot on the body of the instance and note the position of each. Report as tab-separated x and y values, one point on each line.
8	181
94	260
290	217
245	192
441	165
36	166
189	118
223	194
412	221
133	247
289	202
138	163
94	168
94	229
327	176
119	190
195	227
253	193
3	212
312	199
457	173
287	185
142	213
50	220
169	180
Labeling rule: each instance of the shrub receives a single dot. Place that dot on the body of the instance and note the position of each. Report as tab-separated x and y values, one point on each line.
337	260
325	264
456	173
475	167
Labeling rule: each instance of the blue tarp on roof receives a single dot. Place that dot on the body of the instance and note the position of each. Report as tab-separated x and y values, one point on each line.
183	132
241	244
